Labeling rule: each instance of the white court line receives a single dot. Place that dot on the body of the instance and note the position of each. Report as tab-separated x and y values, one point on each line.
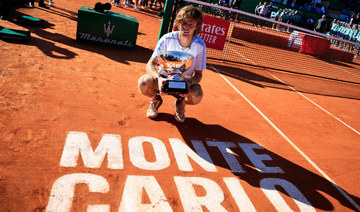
291	143
314	103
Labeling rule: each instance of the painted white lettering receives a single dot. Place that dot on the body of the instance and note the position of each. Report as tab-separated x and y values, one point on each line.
132	195
137	154
62	191
192	202
97	208
78	142
257	159
224	148
268	186
182	153
238	193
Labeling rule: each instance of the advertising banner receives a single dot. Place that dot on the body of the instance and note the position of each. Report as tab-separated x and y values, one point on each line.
214	32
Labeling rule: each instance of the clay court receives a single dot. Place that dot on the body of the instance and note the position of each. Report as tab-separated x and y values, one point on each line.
267	136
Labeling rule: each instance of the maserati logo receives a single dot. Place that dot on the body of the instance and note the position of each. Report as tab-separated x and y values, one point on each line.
108	30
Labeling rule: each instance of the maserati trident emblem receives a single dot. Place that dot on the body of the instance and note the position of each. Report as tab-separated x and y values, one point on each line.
107	29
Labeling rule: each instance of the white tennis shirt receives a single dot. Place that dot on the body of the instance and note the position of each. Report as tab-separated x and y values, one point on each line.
170	42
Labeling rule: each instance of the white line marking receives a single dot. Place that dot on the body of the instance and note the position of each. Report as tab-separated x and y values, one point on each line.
291	143
314	103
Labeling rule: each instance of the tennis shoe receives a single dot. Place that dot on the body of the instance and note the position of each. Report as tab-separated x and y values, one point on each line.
180	110
152	111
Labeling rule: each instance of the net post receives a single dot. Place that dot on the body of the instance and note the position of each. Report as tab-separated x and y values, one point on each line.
166	18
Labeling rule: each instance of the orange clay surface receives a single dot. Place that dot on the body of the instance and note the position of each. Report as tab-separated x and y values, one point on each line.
52	88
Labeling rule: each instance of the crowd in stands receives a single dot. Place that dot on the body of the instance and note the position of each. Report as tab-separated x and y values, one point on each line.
289	16
294	17
345	31
348	31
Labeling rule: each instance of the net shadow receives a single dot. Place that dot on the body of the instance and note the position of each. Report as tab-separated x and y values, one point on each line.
306	83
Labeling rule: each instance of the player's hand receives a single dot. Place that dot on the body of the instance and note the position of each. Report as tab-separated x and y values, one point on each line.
188	82
161	82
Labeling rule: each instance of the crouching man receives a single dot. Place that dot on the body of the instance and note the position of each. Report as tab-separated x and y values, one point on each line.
189	21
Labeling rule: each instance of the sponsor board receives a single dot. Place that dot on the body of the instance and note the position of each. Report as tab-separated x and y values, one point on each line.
108	29
214	32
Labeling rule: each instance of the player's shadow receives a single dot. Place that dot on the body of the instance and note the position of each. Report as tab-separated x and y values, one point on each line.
314	187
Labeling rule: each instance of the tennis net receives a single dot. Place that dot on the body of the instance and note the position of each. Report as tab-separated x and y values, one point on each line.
281	44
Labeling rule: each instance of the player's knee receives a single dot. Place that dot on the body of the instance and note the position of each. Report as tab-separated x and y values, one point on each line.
196	94
145	84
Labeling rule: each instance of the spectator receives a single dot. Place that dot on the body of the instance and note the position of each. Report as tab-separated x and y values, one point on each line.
144	4
41	3
276	18
270	9
221	3
127	3
351	19
257	8
136	6
154	2
255	23
320	24
310	23
356	19
235	4
116	3
263	10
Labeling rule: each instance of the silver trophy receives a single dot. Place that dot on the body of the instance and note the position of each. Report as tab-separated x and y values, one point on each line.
175	63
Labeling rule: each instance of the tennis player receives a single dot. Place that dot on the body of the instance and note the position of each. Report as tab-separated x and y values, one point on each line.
189	22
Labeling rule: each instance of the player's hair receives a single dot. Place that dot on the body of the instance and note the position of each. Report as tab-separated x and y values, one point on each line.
190	12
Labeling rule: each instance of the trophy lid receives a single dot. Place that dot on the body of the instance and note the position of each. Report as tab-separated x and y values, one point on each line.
175	59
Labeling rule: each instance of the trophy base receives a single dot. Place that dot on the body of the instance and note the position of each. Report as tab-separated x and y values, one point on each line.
175	87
